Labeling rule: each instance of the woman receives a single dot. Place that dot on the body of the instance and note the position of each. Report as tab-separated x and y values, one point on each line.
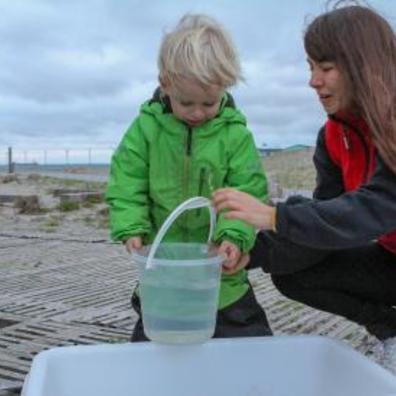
337	252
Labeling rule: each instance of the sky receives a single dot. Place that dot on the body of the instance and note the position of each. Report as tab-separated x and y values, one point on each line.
73	74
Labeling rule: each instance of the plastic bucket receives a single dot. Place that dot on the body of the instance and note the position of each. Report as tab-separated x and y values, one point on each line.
179	285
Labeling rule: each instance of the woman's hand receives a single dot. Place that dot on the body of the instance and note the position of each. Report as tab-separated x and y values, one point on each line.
244	207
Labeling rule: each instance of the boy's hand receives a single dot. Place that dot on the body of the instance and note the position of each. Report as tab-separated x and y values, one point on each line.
133	243
232	253
242	263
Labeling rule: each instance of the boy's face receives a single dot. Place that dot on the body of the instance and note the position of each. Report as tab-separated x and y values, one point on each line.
191	102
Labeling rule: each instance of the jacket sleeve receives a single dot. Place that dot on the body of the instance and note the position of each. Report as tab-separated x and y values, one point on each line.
245	173
329	183
127	191
349	220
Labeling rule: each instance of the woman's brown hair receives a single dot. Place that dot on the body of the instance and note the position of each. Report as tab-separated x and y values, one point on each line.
363	45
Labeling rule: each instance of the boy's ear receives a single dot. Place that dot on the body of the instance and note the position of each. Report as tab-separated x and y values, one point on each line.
165	85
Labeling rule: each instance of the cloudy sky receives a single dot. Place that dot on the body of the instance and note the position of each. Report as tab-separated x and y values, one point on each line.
73	73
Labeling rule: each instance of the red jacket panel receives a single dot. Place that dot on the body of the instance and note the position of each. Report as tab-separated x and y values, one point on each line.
351	149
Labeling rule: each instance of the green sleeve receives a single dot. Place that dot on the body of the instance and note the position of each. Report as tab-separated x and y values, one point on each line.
127	190
245	173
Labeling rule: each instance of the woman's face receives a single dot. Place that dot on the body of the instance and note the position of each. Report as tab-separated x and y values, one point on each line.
329	83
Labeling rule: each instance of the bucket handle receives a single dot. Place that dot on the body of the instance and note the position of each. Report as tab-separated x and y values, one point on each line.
192	203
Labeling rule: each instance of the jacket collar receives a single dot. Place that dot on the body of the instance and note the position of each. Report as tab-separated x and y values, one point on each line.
159	107
350	120
159	97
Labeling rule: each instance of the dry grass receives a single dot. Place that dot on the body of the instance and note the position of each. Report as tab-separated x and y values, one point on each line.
291	170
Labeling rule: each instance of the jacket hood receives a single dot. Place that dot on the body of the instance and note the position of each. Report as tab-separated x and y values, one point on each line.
160	108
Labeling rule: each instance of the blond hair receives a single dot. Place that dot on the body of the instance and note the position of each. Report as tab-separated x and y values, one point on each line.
200	49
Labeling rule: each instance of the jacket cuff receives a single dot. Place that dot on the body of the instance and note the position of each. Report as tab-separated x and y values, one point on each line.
273	219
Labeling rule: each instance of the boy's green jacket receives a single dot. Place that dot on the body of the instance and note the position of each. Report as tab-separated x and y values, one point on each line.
161	162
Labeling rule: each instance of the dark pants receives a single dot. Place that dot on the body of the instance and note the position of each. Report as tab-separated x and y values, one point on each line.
358	283
244	318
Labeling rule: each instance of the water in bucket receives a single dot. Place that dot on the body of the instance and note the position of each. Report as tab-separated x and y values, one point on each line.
179	287
179	294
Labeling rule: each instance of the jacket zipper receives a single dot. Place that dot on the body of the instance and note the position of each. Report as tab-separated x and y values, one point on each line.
187	160
362	141
189	142
345	137
186	173
202	174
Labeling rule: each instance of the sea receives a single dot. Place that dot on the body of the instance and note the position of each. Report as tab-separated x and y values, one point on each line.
85	172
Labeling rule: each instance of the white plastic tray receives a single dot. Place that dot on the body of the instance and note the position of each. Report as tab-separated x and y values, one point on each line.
262	366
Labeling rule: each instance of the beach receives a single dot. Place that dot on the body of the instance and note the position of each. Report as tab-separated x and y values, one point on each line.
64	282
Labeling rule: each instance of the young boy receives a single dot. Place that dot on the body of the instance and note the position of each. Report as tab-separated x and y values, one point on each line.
189	140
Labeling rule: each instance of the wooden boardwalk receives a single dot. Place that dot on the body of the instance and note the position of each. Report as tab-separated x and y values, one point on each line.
63	291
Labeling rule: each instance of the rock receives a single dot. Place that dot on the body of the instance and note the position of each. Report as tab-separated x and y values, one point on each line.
61	191
8	198
88	196
104	212
34	177
9	178
28	204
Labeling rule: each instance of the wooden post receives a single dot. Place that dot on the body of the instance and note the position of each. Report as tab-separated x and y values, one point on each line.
10	163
